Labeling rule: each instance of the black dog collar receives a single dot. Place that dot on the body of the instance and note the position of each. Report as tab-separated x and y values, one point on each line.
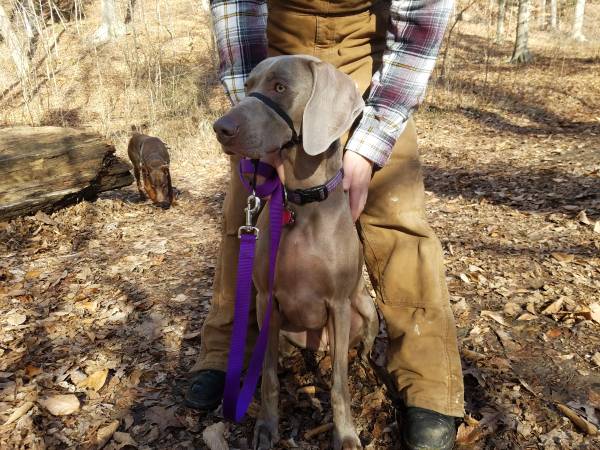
281	113
316	193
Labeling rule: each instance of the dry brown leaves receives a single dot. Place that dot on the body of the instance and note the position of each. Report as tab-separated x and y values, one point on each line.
101	304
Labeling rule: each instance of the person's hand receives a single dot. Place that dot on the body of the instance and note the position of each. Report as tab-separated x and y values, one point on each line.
357	176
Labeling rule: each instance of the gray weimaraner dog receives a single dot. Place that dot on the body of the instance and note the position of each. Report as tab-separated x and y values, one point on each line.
320	297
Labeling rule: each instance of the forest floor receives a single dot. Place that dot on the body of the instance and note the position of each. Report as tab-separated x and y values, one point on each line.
104	301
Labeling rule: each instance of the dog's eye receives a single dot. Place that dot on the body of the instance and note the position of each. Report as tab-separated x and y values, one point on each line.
279	88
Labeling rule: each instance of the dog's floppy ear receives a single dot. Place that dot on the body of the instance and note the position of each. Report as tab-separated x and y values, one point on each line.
334	104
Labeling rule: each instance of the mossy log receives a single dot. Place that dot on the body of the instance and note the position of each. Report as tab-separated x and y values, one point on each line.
46	168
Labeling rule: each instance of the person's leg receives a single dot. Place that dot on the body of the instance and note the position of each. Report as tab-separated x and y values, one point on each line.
207	385
216	330
404	259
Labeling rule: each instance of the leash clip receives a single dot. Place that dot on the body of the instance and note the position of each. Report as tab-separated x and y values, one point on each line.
252	208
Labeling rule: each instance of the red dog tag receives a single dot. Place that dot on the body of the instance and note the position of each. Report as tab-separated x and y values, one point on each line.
288	217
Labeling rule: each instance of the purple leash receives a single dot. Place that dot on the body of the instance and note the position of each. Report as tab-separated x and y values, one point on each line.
236	398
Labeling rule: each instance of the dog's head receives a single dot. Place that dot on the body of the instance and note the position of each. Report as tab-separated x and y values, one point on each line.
156	180
321	101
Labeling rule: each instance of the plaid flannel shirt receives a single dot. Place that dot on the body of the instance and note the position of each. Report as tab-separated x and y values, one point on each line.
413	40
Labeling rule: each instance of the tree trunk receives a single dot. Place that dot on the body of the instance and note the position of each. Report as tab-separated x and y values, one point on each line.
577	33
17	52
554	14
46	168
501	18
521	52
112	27
543	17
129	12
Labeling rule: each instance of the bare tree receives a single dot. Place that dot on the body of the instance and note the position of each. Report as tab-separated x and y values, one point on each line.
554	14
17	51
543	17
29	18
112	27
129	12
501	18
577	32
521	52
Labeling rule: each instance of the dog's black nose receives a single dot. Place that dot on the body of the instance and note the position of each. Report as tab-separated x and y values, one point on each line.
226	128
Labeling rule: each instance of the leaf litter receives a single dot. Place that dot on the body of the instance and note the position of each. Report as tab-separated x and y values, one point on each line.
101	303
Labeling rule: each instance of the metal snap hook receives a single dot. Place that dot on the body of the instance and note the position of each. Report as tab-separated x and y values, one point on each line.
252	208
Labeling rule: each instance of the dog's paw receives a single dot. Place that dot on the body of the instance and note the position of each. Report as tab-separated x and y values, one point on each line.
346	439
266	435
365	358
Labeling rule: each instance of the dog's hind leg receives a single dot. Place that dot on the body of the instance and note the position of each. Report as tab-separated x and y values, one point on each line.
266	430
365	306
344	433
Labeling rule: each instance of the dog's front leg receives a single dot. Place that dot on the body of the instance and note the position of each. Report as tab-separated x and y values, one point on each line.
344	433
266	430
139	177
138	180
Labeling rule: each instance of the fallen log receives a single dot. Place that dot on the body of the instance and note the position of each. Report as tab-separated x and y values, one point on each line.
46	168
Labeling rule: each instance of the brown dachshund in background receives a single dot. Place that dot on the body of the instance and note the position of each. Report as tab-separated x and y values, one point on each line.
150	159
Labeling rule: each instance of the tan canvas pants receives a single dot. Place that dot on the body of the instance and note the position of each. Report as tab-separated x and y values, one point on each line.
403	256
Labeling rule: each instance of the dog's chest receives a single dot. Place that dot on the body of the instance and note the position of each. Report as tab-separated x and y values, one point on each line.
303	282
315	266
